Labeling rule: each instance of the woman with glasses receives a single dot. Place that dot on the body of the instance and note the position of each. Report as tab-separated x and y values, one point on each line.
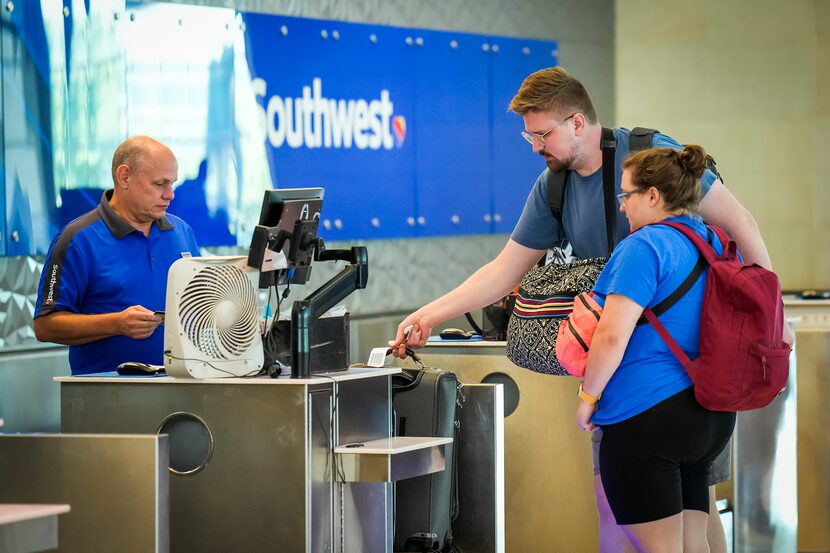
658	443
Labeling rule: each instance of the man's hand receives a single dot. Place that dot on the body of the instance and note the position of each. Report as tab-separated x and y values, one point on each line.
412	332
75	329
484	287
137	322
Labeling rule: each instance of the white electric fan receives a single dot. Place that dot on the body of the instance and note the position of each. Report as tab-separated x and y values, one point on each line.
211	327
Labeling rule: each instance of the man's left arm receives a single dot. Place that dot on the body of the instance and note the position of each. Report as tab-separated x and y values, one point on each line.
721	209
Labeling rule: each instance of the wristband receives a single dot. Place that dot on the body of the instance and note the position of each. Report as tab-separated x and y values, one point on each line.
586	397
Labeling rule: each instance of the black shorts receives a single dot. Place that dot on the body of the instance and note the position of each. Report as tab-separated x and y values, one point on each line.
658	463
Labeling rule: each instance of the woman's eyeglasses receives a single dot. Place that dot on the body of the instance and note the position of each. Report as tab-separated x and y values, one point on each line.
623	195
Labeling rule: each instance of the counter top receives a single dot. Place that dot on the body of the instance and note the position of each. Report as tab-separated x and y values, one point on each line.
20	512
813	315
438	342
792	300
351	374
392	446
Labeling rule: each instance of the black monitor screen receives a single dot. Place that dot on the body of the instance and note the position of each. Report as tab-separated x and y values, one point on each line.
283	242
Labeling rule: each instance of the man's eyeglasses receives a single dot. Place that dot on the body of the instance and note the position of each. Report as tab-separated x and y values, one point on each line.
536	138
623	195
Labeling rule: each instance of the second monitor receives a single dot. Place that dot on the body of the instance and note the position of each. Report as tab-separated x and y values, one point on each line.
283	242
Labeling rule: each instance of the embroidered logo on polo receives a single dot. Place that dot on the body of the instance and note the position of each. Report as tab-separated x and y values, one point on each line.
53	279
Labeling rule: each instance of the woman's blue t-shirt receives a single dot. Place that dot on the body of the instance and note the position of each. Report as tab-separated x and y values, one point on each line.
646	267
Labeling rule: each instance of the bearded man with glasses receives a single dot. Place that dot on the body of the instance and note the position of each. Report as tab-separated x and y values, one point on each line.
562	126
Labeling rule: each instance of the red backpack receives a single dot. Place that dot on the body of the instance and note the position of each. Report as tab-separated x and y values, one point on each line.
743	363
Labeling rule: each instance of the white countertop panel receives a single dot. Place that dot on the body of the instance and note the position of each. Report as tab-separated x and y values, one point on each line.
19	512
392	446
792	300
351	374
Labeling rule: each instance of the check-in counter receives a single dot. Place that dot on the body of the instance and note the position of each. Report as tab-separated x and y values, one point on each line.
116	485
813	361
548	475
765	472
260	464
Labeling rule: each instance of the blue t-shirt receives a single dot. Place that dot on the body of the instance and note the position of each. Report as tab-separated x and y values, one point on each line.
100	264
646	267
583	212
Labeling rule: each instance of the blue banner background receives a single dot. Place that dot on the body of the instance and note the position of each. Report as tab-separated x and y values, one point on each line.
460	168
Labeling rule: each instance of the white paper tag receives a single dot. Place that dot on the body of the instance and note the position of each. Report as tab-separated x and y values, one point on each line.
274	261
377	357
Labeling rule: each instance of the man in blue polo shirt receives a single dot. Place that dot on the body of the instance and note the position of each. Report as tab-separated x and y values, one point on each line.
106	272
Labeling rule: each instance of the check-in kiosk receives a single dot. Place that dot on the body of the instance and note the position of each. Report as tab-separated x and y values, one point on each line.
264	464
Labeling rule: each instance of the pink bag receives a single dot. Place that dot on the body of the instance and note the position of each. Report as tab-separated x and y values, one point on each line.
575	334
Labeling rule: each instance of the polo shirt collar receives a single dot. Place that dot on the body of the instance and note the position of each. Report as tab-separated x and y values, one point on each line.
119	227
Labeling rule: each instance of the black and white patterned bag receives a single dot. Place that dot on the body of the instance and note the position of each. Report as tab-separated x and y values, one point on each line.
544	300
546	294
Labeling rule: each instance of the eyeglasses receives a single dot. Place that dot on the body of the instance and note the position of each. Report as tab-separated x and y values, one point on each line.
536	138
623	195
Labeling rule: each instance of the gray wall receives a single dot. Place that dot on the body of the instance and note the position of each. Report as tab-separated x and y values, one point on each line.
750	81
404	274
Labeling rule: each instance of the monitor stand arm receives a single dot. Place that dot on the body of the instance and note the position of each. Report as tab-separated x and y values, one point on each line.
306	311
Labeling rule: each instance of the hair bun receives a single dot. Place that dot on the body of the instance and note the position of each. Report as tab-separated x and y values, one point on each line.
693	160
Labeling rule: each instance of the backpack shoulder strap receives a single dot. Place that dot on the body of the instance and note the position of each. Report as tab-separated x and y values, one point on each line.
684	287
707	250
728	245
556	193
556	188
609	151
681	290
712	166
672	344
707	256
641	138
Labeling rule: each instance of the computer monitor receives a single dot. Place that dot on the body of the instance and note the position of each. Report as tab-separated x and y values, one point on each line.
283	243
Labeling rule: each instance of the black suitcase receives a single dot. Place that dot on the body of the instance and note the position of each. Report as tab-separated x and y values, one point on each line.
425	403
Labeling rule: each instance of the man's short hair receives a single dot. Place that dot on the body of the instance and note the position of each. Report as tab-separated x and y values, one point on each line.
553	89
131	153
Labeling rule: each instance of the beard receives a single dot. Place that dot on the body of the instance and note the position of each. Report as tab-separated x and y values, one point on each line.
556	166
559	165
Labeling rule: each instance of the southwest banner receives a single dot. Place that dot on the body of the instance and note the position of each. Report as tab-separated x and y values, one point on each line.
398	125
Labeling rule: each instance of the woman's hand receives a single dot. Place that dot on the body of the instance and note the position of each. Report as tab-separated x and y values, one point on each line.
584	412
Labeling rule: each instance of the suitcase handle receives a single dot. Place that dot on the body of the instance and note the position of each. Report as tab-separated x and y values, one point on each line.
411	377
411	354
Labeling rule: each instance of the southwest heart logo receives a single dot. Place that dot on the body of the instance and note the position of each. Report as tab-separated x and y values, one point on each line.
399	127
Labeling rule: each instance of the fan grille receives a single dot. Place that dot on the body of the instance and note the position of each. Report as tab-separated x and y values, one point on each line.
203	312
